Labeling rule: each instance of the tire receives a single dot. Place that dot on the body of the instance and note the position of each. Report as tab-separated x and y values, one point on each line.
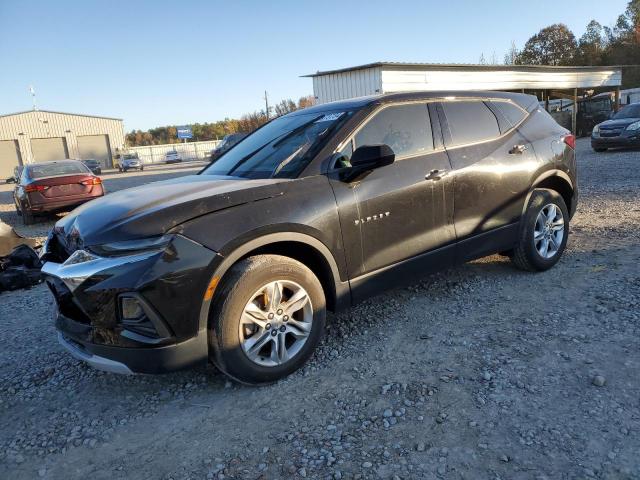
124	170
599	150
229	338
28	218
18	211
526	254
141	169
120	169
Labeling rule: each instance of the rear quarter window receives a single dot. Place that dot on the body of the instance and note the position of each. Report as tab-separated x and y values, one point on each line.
470	122
511	112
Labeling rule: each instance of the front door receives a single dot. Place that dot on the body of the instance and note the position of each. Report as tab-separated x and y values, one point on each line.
393	216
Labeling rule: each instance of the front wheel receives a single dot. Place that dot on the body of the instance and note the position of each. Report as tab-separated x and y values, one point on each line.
544	232
267	319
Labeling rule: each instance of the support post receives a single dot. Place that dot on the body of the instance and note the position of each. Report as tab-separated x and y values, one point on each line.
616	99
546	100
574	115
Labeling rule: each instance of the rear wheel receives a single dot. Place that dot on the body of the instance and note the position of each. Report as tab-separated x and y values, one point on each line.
267	319
543	233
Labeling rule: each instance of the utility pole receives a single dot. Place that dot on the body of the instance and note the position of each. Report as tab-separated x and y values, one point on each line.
33	97
266	104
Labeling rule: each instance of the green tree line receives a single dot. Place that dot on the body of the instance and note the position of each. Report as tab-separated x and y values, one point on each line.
216	130
599	45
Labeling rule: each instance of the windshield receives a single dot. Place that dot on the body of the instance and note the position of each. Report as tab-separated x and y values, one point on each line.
55	169
281	148
594	106
630	111
131	157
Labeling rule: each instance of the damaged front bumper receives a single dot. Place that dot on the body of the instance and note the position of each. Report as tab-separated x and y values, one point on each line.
136	313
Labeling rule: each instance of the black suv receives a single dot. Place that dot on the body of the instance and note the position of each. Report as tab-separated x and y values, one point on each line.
622	130
315	211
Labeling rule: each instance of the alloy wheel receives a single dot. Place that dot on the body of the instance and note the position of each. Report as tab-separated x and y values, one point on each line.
276	323
549	231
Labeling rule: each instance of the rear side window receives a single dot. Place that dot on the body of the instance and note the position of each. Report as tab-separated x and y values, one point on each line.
511	112
470	122
405	128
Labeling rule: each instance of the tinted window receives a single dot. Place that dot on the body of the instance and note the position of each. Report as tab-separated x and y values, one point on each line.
512	113
54	169
470	122
405	128
631	111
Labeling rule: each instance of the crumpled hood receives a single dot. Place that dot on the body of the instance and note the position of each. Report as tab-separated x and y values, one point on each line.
157	207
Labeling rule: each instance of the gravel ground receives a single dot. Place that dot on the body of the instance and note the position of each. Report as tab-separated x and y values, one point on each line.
482	371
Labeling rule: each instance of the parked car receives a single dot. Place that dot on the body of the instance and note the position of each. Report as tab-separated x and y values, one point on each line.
51	187
93	165
129	161
172	157
225	145
622	130
314	211
16	175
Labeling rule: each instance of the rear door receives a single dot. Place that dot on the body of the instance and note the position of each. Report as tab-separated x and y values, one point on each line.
394	214
492	165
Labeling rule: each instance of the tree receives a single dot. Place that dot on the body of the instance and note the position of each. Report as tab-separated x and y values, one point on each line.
591	45
511	56
284	107
307	101
553	45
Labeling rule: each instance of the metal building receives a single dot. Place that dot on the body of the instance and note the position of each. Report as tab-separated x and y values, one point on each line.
41	136
386	77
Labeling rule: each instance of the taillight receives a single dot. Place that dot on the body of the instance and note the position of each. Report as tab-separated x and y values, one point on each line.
92	181
570	140
36	188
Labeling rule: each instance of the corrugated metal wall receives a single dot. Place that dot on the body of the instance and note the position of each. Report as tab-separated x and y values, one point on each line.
343	85
440	80
369	81
42	124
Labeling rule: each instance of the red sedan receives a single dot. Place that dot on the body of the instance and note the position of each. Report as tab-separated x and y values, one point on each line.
51	187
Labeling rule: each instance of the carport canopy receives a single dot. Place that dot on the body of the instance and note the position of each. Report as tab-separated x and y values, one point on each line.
545	81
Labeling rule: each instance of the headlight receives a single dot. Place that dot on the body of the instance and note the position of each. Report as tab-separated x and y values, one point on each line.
129	247
634	126
596	130
79	256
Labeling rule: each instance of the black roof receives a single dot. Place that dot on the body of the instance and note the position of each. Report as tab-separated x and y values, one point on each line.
525	101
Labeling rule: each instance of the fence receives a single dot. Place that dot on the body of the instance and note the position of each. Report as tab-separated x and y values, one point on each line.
188	151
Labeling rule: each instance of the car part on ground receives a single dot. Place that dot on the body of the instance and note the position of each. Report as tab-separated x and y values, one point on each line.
20	269
334	203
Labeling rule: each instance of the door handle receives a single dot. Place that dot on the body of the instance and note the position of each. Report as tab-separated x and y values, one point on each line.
435	174
518	149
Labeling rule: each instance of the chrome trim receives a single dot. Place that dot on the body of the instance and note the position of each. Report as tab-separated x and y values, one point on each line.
73	275
95	361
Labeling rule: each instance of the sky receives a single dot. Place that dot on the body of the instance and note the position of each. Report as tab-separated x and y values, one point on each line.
156	63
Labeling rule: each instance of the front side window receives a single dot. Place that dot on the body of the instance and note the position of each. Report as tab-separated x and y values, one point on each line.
281	148
470	122
405	128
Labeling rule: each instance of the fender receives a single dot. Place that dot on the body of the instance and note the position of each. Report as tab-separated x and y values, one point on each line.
231	255
543	176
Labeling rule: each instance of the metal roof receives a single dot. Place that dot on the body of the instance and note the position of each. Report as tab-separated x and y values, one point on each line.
464	66
59	113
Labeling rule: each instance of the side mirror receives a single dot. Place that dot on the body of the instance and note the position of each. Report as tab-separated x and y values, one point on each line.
369	157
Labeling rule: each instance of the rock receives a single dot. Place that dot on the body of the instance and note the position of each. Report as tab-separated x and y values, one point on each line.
302	472
599	381
504	458
387	413
421	447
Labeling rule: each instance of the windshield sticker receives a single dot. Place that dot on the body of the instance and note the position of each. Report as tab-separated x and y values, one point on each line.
329	117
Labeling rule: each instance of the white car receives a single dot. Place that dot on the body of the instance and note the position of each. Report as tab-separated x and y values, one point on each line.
172	157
